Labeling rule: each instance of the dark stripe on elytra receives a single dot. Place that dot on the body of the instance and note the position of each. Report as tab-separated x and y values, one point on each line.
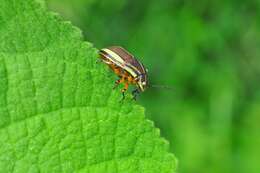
106	54
137	72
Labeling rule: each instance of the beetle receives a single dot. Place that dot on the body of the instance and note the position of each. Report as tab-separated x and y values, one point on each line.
126	67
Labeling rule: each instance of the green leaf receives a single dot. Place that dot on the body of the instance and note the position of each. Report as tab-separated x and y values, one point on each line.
58	112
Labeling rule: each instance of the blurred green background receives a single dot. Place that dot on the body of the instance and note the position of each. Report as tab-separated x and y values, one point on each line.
209	51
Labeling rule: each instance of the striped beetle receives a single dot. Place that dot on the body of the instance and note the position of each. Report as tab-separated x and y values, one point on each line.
126	67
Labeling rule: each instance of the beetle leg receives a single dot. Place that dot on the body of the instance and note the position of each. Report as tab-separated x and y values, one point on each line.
124	90
123	98
135	93
117	82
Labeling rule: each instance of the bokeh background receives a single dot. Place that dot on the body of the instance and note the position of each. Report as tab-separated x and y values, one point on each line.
209	51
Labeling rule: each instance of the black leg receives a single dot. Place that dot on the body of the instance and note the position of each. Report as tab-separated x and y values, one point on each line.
135	93
124	89
123	94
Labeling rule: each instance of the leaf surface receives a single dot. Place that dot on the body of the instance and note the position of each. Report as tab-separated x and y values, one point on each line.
58	112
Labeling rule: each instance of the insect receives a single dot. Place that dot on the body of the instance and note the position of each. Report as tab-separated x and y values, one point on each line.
126	67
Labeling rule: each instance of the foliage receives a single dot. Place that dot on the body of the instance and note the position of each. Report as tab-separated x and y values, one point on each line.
57	111
209	51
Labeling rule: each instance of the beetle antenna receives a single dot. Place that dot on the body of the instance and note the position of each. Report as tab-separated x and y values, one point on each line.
162	86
